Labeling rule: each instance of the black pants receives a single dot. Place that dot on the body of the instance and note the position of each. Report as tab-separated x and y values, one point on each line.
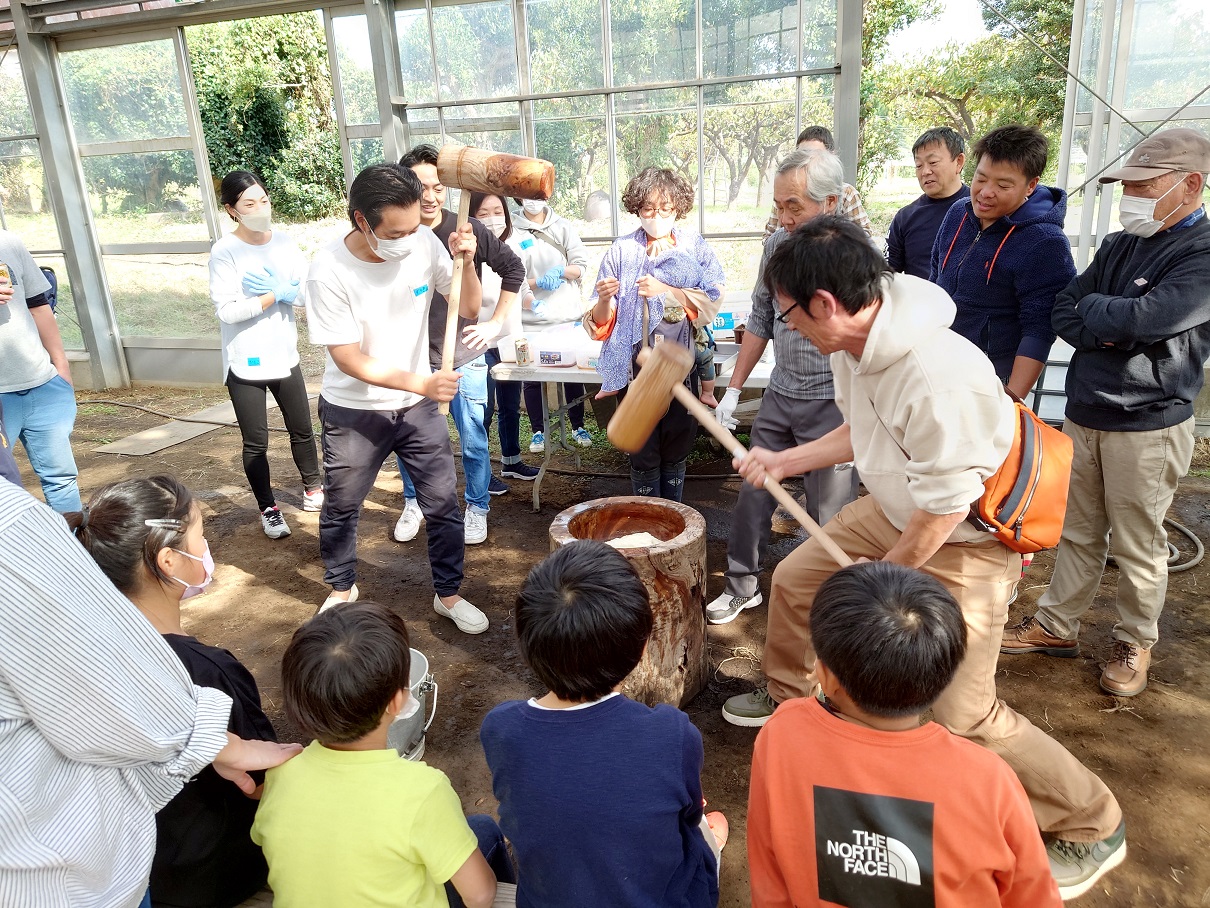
535	404
248	399
355	444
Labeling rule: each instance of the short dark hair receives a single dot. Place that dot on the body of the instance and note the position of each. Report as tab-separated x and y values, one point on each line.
892	636
950	138
817	134
658	180
341	670
236	184
1022	146
477	200
113	527
830	253
425	153
583	619
382	186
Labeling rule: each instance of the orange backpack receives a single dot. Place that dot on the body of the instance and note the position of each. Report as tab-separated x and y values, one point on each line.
1023	502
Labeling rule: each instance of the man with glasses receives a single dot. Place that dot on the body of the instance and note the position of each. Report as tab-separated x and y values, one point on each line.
798	406
927	421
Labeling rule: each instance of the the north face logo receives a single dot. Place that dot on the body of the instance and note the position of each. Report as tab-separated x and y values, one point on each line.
873	851
870	854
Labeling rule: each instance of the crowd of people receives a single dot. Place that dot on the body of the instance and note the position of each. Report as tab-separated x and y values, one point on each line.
139	767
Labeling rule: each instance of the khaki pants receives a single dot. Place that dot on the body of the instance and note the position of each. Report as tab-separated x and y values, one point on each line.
1122	481
1068	800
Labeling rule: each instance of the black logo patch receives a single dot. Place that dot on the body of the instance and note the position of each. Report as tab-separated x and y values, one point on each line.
873	851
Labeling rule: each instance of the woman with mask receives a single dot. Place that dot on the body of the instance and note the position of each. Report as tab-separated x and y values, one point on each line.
503	397
146	536
555	259
256	276
656	283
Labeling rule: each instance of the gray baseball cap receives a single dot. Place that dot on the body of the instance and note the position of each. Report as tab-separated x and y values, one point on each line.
1180	149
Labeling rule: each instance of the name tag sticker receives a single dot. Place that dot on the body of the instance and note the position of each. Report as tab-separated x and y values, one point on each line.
253	360
526	243
421	291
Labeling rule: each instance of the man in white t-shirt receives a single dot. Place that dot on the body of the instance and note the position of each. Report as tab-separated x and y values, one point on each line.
368	298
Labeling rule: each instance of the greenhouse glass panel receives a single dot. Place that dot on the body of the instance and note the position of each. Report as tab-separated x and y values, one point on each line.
145	198
747	127
65	306
570	133
356	70
162	295
1169	53
655	129
742	37
415	56
653	42
125	93
476	50
365	152
496	127
15	118
565	44
818	33
26	210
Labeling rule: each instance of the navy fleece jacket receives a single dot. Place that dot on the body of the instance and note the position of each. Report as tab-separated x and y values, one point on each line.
1004	278
1139	318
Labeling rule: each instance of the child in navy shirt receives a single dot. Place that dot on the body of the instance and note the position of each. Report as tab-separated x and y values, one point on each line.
600	796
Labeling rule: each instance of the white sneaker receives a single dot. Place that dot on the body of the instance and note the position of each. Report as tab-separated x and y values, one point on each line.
537	444
274	525
313	501
468	618
474	527
724	609
408	524
334	599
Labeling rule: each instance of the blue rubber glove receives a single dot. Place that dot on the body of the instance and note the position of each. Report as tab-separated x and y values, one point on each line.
537	307
260	283
551	279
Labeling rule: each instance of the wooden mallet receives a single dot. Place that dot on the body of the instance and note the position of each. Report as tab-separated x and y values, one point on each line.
661	378
496	173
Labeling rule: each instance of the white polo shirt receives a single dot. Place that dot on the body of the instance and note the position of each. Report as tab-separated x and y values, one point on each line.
380	306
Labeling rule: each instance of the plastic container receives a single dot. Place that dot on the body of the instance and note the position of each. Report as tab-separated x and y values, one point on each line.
508	347
406	733
588	355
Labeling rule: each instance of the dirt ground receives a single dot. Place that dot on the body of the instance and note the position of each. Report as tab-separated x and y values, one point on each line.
1151	750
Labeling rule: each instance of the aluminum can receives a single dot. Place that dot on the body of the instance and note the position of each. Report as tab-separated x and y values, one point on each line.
523	356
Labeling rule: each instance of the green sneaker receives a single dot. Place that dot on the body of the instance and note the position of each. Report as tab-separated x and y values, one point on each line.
1076	866
750	710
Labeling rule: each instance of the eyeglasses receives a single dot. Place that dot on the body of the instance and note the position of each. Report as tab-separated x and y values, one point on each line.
783	316
650	211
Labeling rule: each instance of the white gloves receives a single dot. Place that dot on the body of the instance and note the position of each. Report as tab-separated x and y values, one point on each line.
726	407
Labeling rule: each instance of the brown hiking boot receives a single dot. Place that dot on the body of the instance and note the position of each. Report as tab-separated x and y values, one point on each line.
1031	637
1125	673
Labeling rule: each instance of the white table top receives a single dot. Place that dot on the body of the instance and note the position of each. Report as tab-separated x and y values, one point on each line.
575	375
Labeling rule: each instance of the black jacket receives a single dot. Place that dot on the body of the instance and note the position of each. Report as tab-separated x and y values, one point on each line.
1139	319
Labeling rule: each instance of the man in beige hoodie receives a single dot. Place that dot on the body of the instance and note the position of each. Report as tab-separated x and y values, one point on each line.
926	422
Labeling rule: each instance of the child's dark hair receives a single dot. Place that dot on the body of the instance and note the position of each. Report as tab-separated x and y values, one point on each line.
381	186
583	620
235	184
477	200
341	670
114	527
1024	147
892	636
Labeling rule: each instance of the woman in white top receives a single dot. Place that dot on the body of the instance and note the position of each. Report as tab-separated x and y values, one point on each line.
256	276
555	259
492	212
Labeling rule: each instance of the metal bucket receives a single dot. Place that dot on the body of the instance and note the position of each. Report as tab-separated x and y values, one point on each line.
406	733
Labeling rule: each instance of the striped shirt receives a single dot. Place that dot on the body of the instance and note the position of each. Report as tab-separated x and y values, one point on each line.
100	725
849	205
800	371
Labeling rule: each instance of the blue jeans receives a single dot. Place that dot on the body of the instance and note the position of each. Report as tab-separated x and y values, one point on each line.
491	844
43	418
467	408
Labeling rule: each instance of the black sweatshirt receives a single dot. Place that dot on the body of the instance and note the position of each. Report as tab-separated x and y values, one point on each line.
488	251
1139	319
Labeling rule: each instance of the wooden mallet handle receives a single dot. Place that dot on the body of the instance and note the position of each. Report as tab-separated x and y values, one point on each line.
454	300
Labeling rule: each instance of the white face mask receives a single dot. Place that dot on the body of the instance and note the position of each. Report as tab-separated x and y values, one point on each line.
532	206
258	222
207	561
494	223
1137	215
659	226
394	250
